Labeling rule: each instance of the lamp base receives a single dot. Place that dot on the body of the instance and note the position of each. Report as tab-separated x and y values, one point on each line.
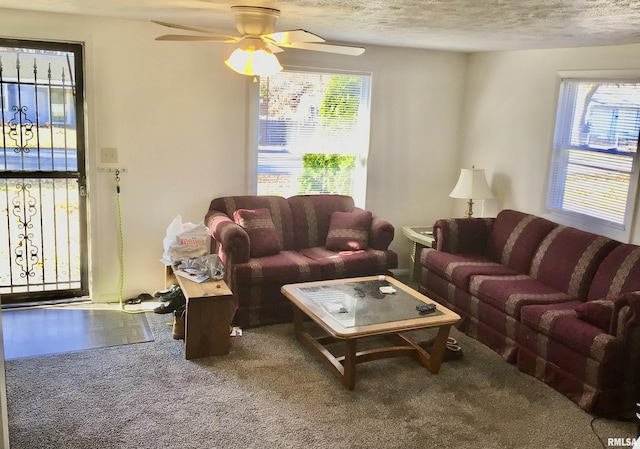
469	212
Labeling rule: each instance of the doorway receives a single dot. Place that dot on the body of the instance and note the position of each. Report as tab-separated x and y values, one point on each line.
42	172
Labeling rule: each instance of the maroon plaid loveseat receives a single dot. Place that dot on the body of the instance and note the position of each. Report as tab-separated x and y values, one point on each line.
560	303
291	247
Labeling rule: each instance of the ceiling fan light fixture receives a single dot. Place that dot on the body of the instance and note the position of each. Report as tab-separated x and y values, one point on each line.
247	60
256	25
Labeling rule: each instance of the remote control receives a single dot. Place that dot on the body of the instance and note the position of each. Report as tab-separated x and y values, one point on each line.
426	309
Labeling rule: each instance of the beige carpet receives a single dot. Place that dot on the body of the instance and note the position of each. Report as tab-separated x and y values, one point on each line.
269	392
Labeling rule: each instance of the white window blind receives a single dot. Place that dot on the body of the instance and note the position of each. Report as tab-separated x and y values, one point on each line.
314	133
592	175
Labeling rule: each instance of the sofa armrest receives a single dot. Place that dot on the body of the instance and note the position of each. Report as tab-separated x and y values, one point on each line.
462	235
382	233
232	239
625	325
626	315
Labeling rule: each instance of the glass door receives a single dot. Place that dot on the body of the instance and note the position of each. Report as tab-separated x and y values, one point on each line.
42	172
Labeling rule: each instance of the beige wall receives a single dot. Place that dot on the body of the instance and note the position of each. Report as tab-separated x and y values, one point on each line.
178	118
509	119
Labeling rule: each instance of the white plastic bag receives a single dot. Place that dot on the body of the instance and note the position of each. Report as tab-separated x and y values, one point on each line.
185	241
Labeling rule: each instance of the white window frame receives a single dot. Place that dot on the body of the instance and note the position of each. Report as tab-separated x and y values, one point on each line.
598	226
253	93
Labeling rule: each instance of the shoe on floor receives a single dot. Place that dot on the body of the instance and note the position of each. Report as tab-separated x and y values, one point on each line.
174	304
453	350
138	299
178	324
168	294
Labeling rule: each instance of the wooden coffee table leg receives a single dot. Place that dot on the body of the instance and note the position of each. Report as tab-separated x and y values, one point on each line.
436	355
349	377
298	318
345	368
431	360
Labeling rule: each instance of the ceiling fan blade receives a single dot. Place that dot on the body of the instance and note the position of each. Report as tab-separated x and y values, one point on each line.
328	48
293	36
274	48
184	37
190	28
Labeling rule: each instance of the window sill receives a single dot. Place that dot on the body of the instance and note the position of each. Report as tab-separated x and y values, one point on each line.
589	224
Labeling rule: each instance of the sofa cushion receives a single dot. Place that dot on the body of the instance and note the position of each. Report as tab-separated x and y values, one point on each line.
618	273
598	313
351	263
277	205
458	268
311	216
515	237
567	259
286	267
559	322
349	230
510	293
263	237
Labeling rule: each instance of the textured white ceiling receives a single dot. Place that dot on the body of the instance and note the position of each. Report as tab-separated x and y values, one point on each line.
463	25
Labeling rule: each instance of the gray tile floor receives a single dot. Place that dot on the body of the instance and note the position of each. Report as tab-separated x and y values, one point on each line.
38	331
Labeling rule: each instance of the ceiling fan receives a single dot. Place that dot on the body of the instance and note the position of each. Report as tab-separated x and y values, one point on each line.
259	40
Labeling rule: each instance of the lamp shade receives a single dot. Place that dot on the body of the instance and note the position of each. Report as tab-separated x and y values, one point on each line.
472	184
251	61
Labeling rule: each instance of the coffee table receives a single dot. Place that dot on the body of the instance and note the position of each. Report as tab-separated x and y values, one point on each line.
351	309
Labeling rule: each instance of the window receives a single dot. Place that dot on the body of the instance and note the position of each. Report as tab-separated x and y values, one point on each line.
313	133
593	174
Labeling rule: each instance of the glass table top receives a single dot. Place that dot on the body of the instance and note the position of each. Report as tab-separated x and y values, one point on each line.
360	303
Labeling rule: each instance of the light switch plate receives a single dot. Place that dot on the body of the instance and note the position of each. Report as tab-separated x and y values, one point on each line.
109	155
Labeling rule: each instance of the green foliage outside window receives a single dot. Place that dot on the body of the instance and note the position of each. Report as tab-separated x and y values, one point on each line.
327	173
341	100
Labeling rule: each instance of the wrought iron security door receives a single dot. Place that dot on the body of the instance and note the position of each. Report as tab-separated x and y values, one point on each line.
42	173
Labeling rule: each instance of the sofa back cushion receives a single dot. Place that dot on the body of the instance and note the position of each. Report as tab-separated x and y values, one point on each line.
312	215
567	259
278	208
514	238
462	235
618	273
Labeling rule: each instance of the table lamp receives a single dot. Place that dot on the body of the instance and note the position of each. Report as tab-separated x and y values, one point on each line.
472	185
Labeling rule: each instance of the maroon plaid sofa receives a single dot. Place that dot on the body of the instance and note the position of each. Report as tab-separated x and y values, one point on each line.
301	224
560	303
